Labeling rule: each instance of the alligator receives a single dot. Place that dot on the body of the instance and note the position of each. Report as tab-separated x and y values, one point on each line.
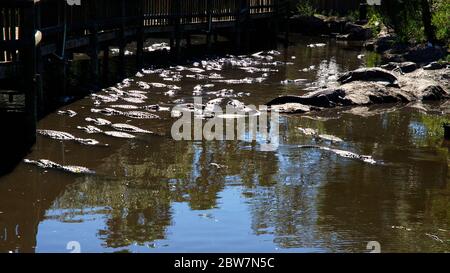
69	113
134	100
94	130
140	115
330	138
342	153
98	121
308	131
107	111
315	133
66	136
90	129
369	74
47	164
125	106
129	128
105	98
118	134
56	134
155	107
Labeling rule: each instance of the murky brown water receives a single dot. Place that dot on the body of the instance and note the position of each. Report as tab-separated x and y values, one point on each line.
154	194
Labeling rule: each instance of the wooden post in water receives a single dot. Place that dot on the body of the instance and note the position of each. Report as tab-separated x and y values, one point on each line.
29	70
105	64
447	131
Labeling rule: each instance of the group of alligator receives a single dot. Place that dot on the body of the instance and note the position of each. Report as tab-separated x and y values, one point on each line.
385	86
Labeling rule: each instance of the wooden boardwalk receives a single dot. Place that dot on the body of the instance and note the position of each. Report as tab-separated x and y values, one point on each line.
32	30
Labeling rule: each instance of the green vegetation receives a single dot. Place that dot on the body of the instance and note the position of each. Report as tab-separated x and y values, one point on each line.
373	59
375	20
418	20
353	15
305	8
441	20
414	21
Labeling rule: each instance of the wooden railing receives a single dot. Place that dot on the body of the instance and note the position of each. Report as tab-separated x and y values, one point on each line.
57	20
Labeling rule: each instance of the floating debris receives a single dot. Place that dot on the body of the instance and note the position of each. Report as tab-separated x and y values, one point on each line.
47	164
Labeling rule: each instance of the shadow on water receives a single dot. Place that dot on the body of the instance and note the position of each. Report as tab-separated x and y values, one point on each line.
64	85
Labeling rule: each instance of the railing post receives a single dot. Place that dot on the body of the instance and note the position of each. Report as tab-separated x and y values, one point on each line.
140	34
209	21
286	14
122	42
94	47
176	17
39	67
29	70
238	4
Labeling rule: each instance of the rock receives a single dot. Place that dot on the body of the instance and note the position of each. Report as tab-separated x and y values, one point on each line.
424	54
433	92
368	74
391	56
357	32
363	87
308	24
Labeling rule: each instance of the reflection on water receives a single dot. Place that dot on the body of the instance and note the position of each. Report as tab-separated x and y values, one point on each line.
154	194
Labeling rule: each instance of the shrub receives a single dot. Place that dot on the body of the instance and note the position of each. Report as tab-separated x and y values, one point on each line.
441	19
305	8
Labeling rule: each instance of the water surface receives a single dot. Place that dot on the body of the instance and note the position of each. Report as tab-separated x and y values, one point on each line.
154	194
